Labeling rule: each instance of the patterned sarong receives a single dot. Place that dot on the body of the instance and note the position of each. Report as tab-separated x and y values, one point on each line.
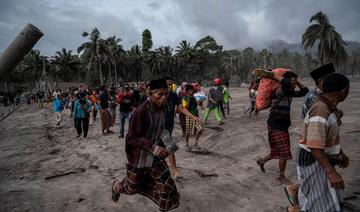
105	119
112	112
192	127
279	141
154	183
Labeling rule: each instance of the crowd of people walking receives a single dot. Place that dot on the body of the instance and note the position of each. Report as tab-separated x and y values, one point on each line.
151	109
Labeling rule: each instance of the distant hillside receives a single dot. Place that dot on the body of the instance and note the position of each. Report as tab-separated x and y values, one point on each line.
277	46
352	46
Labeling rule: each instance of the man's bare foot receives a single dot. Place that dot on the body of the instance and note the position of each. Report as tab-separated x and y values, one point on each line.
284	180
293	209
293	188
115	190
261	163
177	175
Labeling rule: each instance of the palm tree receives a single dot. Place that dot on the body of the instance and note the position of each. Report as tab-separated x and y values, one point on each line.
116	52
248	63
94	51
330	43
185	54
266	60
31	68
354	61
231	63
165	60
66	64
134	58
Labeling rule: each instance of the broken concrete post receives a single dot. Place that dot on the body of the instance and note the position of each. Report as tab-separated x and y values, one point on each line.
18	48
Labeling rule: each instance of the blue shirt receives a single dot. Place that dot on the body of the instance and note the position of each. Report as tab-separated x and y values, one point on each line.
57	105
310	98
81	111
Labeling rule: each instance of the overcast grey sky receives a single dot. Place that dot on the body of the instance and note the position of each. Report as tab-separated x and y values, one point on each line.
233	23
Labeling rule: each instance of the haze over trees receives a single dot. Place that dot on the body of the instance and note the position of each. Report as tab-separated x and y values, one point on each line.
104	60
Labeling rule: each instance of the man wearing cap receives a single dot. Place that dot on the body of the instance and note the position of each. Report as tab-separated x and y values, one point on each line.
147	172
320	151
317	76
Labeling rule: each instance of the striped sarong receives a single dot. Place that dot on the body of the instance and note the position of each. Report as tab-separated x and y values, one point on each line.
315	191
192	127
279	141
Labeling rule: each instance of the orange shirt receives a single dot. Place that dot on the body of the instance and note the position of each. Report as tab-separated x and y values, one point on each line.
93	99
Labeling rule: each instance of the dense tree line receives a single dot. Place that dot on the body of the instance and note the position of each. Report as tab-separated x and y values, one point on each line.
100	60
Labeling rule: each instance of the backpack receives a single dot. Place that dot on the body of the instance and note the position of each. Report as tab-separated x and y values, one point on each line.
217	94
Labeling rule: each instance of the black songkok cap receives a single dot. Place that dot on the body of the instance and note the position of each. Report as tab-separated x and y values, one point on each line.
157	84
334	82
322	71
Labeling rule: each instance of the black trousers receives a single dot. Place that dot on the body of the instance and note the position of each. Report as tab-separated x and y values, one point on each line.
94	115
221	108
182	122
227	106
82	125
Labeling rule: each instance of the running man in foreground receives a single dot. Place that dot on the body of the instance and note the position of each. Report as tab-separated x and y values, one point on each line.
147	172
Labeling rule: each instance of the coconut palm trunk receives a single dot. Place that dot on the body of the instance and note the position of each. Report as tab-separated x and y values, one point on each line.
110	78
101	75
116	77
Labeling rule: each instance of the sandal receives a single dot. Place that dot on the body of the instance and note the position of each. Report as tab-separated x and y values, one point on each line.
115	194
292	199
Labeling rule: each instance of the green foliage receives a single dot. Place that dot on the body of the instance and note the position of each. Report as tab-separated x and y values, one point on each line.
66	66
94	52
208	44
146	40
105	61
